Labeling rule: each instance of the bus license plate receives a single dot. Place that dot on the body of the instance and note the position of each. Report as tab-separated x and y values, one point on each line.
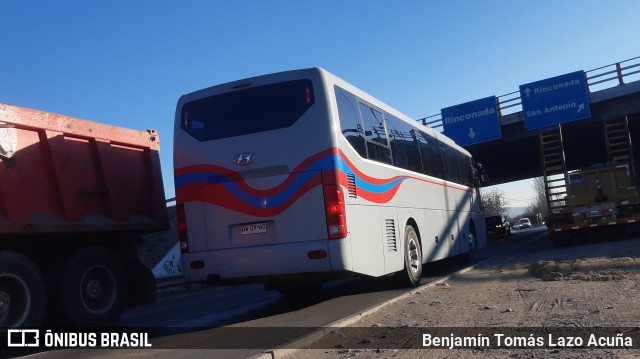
253	228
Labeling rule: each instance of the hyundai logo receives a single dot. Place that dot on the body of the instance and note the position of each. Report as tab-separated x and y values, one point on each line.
244	158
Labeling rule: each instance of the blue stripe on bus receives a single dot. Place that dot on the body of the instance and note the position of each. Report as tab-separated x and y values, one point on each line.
327	163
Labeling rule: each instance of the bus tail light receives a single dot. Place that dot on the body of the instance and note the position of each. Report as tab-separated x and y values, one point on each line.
182	228
335	211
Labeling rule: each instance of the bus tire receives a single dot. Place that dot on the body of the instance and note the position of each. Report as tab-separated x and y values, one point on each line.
23	294
473	244
412	257
90	288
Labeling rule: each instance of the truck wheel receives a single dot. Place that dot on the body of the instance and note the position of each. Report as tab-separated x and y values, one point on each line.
90	288
23	295
412	258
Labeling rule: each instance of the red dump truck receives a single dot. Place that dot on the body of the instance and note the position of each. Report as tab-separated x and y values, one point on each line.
75	197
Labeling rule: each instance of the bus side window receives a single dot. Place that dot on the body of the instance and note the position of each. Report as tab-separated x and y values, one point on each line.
430	151
350	121
404	144
375	134
450	161
466	169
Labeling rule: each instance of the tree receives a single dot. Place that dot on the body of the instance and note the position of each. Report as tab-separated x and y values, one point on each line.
493	202
538	204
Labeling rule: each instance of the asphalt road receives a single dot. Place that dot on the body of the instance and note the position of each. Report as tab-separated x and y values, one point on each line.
209	317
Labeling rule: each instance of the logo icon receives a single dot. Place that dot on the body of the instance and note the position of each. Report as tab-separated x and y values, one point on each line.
244	158
20	338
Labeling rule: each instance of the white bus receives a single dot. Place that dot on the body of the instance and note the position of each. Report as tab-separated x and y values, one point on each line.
293	178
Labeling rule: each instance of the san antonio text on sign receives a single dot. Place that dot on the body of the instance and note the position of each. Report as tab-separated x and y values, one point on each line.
556	108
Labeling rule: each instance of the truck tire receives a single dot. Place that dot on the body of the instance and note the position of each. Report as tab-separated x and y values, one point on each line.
23	295
89	288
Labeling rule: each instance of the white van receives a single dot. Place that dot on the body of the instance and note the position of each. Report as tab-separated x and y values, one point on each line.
524	223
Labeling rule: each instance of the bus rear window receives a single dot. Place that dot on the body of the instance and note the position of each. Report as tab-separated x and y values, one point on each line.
246	111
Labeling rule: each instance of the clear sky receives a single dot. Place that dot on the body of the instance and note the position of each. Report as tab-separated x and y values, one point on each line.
126	63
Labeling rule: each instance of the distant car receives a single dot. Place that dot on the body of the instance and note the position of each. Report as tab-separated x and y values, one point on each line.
524	223
497	226
515	225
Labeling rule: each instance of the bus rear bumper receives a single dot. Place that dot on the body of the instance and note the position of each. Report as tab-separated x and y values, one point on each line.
265	262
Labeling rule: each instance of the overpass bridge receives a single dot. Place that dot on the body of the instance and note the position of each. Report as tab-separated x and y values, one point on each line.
613	93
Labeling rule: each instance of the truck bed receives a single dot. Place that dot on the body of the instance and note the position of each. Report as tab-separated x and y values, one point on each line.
63	174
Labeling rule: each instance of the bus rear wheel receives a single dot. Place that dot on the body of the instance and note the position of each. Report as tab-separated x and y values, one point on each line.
412	257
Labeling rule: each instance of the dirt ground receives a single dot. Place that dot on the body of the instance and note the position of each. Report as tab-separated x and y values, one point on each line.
567	291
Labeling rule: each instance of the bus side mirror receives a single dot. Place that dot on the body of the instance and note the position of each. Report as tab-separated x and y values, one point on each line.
480	174
484	179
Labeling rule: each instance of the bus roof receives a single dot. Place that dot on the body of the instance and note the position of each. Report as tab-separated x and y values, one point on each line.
313	72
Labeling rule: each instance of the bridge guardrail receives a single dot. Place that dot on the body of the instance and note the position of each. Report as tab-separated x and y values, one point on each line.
597	79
